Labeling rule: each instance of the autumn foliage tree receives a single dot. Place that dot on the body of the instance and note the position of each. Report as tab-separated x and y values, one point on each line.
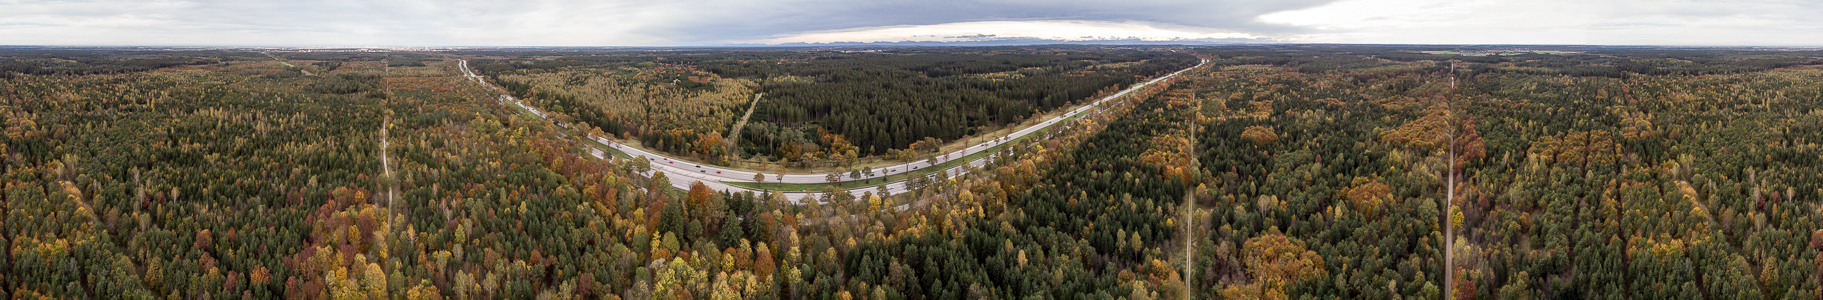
1274	261
1260	135
1366	195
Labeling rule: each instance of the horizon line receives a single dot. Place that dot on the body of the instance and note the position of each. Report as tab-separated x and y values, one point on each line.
906	44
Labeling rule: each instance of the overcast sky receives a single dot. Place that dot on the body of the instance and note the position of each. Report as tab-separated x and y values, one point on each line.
723	22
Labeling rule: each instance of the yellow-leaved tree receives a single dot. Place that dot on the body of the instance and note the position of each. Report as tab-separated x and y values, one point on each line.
1366	195
1275	261
1260	135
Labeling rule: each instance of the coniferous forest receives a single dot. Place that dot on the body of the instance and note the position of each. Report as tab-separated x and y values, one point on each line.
824	106
1272	172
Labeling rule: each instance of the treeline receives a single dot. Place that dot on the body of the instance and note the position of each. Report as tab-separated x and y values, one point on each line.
76	62
1616	62
874	101
883	102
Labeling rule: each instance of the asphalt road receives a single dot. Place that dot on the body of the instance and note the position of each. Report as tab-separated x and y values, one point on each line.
683	173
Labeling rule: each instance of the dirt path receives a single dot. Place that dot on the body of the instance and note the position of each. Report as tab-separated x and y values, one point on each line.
1189	240
1449	238
734	135
1449	228
287	64
1190	204
1689	192
386	164
392	182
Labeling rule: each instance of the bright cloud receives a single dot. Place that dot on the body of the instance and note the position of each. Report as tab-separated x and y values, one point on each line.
1621	22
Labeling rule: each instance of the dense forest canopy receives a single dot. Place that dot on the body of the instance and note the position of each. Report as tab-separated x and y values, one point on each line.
1284	171
817	105
1594	173
35	61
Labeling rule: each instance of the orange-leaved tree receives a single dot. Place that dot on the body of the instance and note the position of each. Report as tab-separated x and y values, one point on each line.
1275	261
1366	194
1260	135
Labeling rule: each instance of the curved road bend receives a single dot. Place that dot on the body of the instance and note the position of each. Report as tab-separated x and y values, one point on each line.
681	172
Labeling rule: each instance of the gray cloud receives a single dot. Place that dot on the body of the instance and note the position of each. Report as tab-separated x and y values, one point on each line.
709	22
776	18
558	22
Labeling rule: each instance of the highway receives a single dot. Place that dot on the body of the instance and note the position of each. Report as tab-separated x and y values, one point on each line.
683	173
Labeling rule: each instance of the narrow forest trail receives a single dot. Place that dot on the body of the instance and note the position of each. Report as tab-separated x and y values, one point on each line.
734	134
82	201
394	214
1189	213
1449	205
287	64
392	185
1189	239
1690	194
386	164
1449	231
76	195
